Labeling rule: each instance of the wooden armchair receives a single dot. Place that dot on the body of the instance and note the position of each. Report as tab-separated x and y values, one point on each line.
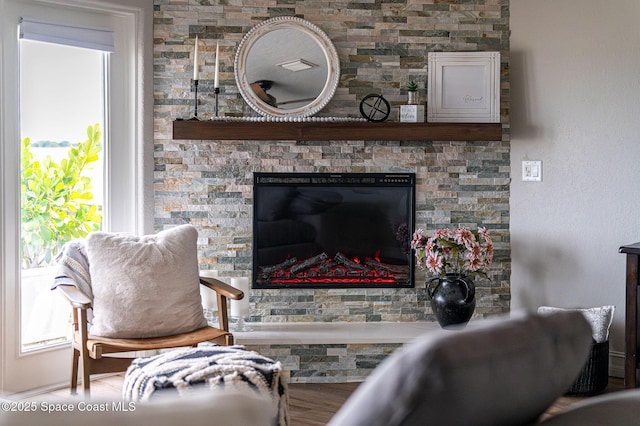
89	350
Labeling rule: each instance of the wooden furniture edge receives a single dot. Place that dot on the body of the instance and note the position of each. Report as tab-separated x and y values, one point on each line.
632	281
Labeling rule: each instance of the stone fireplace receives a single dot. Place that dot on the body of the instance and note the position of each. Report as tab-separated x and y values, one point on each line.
381	46
210	184
330	230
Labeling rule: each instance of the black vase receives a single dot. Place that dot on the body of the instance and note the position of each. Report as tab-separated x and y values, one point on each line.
452	299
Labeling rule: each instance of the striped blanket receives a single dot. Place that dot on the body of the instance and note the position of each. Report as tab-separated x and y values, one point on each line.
212	367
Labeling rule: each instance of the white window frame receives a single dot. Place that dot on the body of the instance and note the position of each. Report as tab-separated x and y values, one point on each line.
130	186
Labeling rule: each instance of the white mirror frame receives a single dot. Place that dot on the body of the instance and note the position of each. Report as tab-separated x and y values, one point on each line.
287	22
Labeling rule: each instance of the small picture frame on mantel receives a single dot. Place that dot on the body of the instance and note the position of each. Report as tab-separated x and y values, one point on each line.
463	87
412	113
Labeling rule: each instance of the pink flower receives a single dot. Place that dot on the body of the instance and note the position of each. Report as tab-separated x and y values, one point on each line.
434	262
464	236
474	258
474	263
430	245
419	239
485	235
442	233
488	254
461	251
475	250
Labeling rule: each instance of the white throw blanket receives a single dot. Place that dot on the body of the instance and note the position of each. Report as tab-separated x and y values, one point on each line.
73	268
229	368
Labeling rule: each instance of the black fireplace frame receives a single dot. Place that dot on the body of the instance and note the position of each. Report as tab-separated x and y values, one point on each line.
336	180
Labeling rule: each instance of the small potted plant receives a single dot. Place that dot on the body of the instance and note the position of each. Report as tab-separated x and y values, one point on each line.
412	93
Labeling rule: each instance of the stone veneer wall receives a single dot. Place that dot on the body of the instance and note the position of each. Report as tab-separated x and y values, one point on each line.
337	363
382	45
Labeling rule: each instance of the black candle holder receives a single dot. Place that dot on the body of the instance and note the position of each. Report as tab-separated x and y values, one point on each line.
195	100
216	92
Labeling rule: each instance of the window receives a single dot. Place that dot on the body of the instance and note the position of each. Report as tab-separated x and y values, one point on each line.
127	149
62	105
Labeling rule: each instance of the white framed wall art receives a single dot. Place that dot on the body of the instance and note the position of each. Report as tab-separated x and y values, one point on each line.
463	87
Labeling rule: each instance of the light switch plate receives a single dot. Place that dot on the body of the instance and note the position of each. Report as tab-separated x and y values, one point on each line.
532	171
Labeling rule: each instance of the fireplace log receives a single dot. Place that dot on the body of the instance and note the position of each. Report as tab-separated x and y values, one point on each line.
350	264
312	261
326	268
396	269
319	268
268	270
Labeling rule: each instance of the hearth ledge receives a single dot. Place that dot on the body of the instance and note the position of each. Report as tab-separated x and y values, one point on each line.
332	333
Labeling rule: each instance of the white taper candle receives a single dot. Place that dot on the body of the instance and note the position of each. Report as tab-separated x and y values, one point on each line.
196	72
216	82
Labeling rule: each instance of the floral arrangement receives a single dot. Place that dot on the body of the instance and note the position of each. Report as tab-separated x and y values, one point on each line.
459	251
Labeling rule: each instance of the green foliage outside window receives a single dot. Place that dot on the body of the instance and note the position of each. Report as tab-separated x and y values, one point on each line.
56	200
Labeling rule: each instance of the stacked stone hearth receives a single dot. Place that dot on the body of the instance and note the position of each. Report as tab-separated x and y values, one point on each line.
381	46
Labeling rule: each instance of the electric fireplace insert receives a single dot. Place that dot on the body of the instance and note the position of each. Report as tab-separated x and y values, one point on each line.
324	230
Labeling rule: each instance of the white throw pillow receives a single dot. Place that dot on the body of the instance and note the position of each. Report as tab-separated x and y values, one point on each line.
600	319
145	286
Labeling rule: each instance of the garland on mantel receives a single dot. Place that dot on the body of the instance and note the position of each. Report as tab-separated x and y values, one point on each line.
286	119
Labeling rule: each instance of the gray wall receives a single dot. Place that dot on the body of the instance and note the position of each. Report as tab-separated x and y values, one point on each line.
575	106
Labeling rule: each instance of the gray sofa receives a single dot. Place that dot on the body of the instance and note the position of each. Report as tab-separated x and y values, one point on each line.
503	371
615	409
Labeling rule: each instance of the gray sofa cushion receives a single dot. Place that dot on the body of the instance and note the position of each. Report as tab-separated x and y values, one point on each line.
616	409
504	371
201	408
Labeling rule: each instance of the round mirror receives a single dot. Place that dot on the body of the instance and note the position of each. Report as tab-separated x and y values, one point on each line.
287	67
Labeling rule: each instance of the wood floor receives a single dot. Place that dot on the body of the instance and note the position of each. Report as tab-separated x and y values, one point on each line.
309	404
616	384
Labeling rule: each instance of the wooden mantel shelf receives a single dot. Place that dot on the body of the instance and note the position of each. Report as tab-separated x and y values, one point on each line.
347	130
